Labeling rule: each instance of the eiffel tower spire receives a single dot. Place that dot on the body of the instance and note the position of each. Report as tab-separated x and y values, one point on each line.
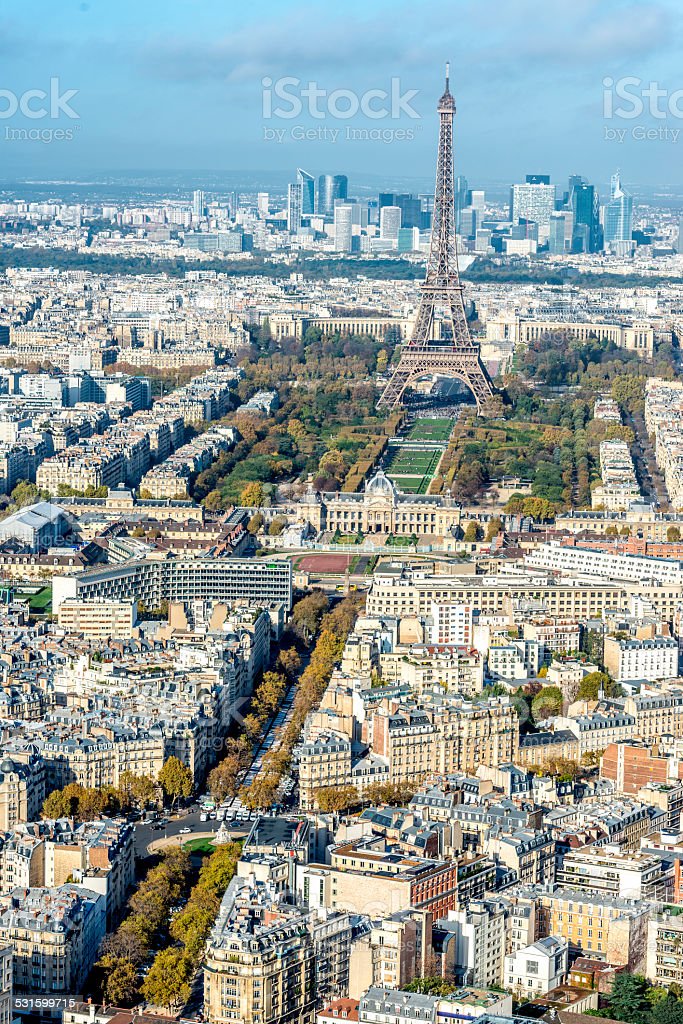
453	353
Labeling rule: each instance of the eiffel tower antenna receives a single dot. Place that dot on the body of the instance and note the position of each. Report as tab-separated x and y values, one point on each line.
450	352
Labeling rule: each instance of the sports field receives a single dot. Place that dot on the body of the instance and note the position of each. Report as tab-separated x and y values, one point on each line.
437	429
412	469
335	564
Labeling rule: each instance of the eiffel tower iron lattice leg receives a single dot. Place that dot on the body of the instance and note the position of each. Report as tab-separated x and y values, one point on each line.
453	354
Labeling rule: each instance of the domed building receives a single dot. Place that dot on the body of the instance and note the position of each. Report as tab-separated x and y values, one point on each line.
380	509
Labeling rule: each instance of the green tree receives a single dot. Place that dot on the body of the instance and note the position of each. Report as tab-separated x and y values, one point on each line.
628	1000
666	1010
673	533
393	793
591	684
26	493
546	703
430	985
176	779
168	982
193	924
472	532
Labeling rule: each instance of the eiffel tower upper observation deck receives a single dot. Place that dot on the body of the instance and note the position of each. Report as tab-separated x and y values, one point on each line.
454	354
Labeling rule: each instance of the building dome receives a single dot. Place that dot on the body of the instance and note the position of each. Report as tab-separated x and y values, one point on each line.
380	486
7	766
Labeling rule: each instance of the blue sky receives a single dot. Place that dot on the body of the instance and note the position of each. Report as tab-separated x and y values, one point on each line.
177	85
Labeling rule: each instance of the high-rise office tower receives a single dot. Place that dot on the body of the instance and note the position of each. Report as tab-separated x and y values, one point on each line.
294	207
557	234
460	199
477	199
307	182
409	205
537	179
262	201
533	202
618	213
198	203
343	227
390	222
679	246
585	204
331	187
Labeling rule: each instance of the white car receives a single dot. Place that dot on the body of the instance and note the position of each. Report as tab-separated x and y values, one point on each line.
184	831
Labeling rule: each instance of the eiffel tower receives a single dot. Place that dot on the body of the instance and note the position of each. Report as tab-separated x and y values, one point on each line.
454	354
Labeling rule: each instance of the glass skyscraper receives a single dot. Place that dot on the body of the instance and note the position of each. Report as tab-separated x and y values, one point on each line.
585	204
307	182
331	187
294	207
618	213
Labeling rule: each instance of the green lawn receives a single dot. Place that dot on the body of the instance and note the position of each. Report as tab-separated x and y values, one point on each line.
399	542
412	469
436	429
201	845
39	599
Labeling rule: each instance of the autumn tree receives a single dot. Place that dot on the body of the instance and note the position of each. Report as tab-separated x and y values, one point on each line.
176	779
262	792
269	693
288	661
255	523
252	495
222	780
139	789
307	614
277	526
393	793
493	528
332	463
121	980
336	798
214	501
168	981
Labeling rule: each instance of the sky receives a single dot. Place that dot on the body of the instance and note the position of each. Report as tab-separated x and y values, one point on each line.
170	86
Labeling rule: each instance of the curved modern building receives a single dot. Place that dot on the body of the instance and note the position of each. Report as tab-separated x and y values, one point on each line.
330	188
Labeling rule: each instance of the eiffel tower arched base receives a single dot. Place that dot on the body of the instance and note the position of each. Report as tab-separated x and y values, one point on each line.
419	361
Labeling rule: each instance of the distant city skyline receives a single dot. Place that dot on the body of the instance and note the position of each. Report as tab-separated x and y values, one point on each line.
194	86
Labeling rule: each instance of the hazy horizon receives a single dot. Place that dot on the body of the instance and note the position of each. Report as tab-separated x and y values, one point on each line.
179	89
